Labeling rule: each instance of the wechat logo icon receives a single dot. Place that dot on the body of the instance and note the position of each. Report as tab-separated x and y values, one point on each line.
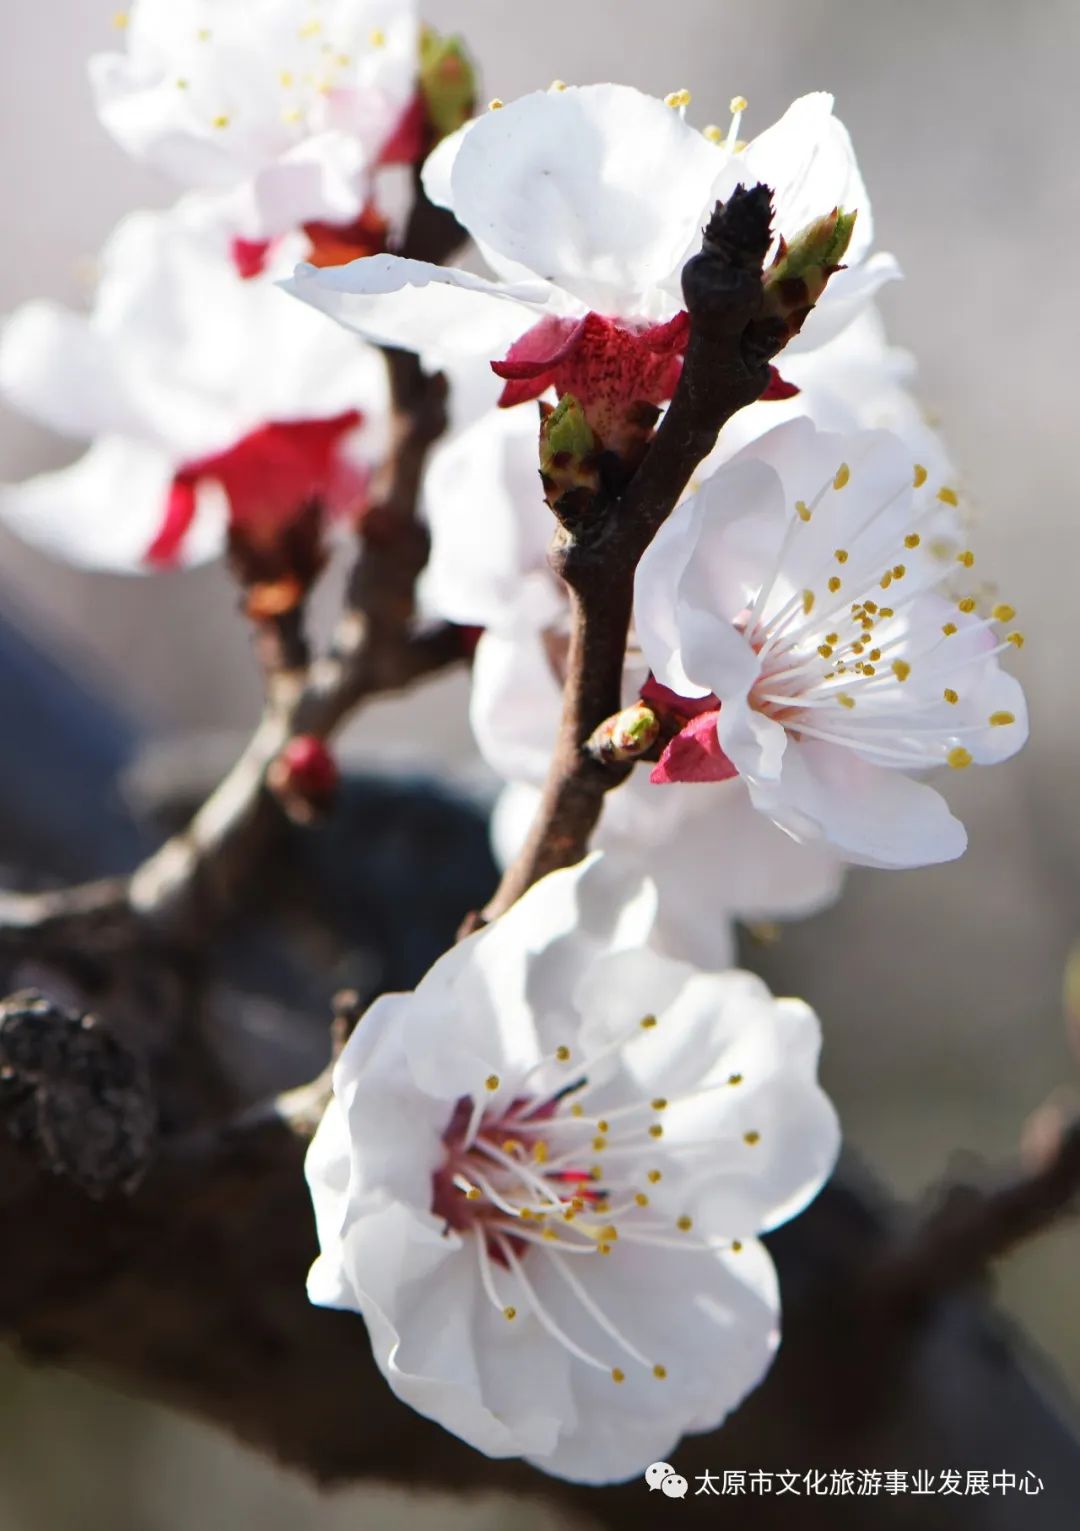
662	1476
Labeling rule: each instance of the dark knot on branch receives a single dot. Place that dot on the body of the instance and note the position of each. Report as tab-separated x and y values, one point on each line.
74	1096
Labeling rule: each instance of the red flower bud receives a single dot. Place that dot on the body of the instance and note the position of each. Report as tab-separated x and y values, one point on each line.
304	778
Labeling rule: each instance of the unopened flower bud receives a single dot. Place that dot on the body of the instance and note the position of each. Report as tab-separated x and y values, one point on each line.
627	735
801	270
304	778
447	81
567	451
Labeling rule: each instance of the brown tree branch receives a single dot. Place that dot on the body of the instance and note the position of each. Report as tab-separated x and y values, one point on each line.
597	552
972	1227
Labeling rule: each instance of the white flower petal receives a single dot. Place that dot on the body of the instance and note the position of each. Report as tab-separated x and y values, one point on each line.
441	312
597	189
106	509
872	815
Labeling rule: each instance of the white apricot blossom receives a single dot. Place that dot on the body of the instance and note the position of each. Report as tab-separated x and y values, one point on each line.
209	401
586	202
288	106
801	593
542	1177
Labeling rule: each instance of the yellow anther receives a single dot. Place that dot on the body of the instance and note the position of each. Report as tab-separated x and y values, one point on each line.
871	607
825	650
549	1234
1001	719
736	1245
557	85
656	1131
875	655
959	758
342	60
310	28
899	570
714	134
1016	639
540	1151
653	1177
578	1203
496	104
576	1110
868	669
735	1079
912	540
182	84
678	98
948	496
204	34
293	115
525	1215
834	583
377	37
510	1313
120	20
751	1138
807	602
221	121
951	696
684	1224
510	1145
596	1172
845	700
967	605
886	579
472	1194
738	104
886	611
967	558
603	1249
832	637
802	510
599	1144
843	474
950	628
648	1022
841	555
562	1054
641	1199
659	1104
1004	613
901	669
491	1082
659	1372
602	1126
287	79
920	475
618	1375
609	1234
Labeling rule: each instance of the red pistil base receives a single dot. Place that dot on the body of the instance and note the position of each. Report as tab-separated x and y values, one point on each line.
611	366
268	478
693	753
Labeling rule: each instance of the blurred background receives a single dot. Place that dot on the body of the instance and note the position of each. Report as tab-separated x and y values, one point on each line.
941	989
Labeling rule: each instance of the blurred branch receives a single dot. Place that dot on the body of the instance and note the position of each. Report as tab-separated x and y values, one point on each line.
597	552
198	875
973	1227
